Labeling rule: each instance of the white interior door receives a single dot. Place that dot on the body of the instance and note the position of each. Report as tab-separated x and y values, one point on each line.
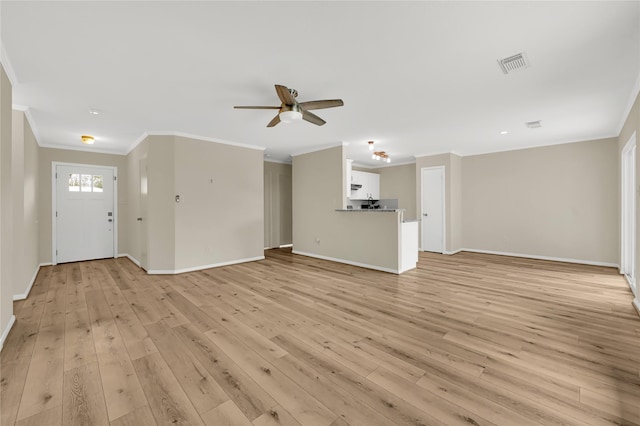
432	217
84	215
628	239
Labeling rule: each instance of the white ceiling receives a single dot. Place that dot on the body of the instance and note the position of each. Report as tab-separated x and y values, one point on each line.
416	77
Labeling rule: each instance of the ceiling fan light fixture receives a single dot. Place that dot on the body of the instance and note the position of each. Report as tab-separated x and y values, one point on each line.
290	116
370	145
87	139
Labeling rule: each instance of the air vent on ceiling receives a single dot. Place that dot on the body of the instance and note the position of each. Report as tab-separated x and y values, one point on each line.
534	124
514	63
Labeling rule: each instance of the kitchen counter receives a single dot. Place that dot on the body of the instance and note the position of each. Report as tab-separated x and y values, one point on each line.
369	210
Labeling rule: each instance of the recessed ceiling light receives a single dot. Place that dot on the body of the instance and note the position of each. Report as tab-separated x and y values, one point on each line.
94	111
504	132
87	139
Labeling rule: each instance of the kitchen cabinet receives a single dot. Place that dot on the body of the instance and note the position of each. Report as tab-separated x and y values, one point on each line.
370	185
348	176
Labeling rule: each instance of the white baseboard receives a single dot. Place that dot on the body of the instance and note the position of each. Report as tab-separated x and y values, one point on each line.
348	262
533	256
199	268
131	258
286	245
6	331
24	295
636	304
452	252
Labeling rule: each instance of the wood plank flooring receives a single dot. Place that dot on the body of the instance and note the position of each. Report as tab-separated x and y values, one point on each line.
468	339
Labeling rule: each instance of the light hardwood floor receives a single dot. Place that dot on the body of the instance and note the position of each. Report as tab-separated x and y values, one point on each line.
468	339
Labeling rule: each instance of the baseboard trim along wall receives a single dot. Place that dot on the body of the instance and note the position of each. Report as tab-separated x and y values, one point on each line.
33	280
131	258
6	331
533	256
348	262
636	304
452	252
199	268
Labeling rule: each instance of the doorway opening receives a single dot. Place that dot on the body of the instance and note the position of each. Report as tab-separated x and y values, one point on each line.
628	228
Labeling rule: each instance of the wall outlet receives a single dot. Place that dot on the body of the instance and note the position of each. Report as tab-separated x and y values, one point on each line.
318	240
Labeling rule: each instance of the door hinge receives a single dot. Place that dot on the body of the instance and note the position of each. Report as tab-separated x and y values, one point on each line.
56	175
56	214
115	178
56	252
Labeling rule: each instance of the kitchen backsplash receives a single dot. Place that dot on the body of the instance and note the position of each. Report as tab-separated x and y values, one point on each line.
387	203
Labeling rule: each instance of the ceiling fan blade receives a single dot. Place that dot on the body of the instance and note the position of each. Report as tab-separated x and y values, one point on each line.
275	121
285	95
312	118
328	103
256	107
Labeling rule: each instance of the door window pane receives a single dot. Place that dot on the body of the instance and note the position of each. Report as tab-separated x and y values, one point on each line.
74	182
85	183
97	183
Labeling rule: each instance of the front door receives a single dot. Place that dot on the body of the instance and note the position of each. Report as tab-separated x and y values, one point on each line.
84	216
432	219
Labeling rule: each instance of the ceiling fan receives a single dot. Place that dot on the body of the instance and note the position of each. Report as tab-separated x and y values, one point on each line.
292	110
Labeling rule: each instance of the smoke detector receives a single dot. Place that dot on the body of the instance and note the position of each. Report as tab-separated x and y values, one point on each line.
534	124
514	63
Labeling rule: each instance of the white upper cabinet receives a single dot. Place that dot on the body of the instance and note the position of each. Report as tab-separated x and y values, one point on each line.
370	185
348	177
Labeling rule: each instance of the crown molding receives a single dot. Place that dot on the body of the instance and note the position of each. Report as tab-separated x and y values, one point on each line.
438	153
384	166
316	149
83	149
146	134
8	68
271	160
632	99
32	122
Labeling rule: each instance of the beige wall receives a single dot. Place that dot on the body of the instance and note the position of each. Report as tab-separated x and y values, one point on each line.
6	253
46	157
556	201
277	204
220	217
400	182
453	193
25	203
161	222
368	238
17	200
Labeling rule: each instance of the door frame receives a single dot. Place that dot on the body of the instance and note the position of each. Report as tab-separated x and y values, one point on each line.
444	206
54	207
624	208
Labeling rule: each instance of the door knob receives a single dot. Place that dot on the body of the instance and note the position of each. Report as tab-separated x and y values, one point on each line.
425	214
139	219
